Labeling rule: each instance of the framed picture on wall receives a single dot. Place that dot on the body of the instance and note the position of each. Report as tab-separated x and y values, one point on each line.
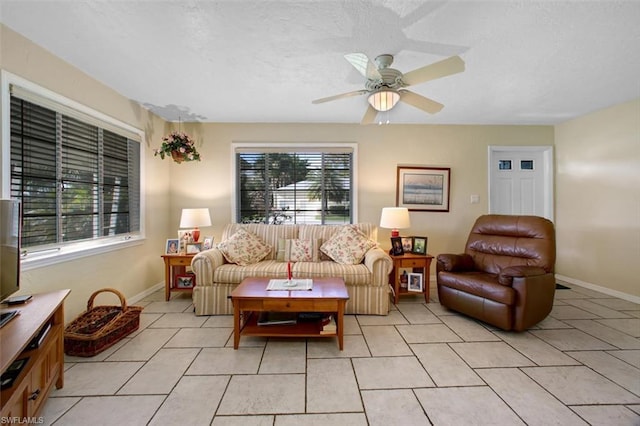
423	188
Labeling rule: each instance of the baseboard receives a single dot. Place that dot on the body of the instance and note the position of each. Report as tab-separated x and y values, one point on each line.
145	293
605	290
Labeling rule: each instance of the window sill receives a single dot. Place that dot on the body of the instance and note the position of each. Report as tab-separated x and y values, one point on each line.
57	255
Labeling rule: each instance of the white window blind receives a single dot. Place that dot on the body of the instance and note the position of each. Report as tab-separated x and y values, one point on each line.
78	177
69	111
281	186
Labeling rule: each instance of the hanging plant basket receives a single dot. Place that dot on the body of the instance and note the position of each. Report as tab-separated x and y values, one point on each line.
179	146
177	157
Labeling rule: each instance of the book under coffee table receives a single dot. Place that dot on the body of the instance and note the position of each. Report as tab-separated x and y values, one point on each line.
328	295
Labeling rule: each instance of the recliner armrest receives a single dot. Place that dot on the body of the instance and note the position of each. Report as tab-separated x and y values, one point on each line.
507	275
455	262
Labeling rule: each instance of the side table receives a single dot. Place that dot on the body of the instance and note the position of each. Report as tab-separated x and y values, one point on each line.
415	262
175	264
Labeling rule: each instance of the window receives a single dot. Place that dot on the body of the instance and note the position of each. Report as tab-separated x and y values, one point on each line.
504	164
526	164
289	185
78	177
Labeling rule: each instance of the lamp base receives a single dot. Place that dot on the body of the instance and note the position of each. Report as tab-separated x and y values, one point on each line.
195	234
395	233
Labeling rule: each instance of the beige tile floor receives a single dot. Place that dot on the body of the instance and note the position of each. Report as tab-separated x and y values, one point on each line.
420	365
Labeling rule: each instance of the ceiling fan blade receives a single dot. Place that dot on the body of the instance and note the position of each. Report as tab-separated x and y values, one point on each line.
420	102
361	62
446	67
341	96
369	116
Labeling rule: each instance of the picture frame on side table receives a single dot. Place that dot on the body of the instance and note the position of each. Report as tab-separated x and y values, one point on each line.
403	277
185	281
207	243
423	188
194	248
419	245
415	283
407	244
172	246
184	237
396	246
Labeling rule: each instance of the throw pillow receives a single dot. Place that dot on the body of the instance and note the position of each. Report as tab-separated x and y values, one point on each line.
347	246
295	250
244	248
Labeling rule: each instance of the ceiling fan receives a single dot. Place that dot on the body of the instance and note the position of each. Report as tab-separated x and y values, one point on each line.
385	86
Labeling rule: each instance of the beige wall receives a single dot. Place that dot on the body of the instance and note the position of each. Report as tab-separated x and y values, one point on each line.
130	270
380	150
598	198
169	187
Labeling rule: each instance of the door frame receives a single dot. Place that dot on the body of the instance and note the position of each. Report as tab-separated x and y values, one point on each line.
547	172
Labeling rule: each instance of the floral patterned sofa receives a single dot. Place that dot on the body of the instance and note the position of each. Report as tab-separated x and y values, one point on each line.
258	250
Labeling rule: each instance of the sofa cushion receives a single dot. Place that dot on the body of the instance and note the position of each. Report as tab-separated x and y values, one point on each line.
230	273
244	248
269	234
297	250
325	232
353	275
347	246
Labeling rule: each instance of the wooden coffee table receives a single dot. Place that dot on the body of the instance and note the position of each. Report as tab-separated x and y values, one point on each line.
252	297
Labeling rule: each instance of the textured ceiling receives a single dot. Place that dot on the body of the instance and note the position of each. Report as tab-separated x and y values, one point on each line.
527	62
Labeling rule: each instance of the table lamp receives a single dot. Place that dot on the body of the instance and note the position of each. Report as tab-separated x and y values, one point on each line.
395	218
192	218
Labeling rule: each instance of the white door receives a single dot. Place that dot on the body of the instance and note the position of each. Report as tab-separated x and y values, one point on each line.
521	180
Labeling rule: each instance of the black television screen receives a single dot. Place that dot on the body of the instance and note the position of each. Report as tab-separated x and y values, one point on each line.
10	226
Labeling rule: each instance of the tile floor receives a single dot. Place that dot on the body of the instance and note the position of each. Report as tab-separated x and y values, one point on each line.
420	365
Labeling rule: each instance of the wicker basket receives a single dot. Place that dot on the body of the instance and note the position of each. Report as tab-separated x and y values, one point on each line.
100	327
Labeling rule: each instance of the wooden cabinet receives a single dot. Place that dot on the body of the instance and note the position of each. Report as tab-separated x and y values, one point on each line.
45	363
416	263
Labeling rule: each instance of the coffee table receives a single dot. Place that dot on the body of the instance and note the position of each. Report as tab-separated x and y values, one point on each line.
252	297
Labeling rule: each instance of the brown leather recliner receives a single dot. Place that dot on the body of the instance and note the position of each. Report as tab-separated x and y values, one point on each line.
505	276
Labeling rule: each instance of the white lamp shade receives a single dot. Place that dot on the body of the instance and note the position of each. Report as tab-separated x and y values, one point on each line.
192	218
395	218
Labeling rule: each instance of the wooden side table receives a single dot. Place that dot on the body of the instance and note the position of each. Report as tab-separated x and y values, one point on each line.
175	264
414	262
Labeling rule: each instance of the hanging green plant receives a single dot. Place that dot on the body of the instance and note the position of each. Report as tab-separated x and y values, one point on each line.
179	146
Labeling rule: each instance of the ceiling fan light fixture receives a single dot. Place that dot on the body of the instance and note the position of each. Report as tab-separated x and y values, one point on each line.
384	99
